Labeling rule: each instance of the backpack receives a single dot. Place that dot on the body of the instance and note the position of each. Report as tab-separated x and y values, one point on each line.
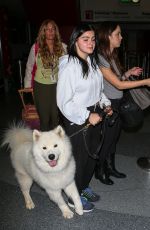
34	66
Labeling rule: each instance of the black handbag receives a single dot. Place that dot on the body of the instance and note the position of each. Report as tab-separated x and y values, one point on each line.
130	113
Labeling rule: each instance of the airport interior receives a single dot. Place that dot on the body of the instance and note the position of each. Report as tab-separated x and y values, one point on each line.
125	205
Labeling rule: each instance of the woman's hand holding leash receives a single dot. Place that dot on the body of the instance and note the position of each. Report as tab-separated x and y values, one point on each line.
94	118
108	110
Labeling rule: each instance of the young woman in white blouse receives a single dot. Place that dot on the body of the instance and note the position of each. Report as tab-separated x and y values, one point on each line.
80	99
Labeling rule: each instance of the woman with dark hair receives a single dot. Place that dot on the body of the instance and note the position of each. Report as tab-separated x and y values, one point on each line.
80	99
42	72
115	80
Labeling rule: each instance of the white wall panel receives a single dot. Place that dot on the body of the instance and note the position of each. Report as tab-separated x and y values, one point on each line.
100	10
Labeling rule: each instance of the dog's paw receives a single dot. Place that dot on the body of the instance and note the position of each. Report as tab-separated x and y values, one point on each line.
30	205
68	214
79	211
78	207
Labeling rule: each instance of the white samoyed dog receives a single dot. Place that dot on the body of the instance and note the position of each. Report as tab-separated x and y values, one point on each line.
46	158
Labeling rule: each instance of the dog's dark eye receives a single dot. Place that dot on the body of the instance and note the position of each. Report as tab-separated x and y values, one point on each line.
44	148
55	146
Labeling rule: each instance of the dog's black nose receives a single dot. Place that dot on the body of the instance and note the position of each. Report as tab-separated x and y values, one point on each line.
51	156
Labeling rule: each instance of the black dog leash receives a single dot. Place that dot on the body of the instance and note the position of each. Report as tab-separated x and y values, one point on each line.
83	129
102	135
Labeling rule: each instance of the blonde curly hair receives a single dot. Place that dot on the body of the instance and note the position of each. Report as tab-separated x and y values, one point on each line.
58	50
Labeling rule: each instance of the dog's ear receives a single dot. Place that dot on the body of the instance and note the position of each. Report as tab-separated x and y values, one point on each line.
36	135
59	131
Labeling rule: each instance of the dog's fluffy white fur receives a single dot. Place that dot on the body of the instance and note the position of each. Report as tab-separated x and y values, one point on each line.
46	158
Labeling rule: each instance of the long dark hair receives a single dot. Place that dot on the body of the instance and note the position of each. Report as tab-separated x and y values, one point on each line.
77	32
105	30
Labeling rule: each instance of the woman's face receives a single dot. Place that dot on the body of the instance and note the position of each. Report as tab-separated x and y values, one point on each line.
85	44
115	38
50	32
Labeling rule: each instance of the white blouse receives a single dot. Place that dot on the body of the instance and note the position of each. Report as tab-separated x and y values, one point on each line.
75	93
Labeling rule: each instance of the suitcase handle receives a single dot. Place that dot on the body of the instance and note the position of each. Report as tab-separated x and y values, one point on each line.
21	93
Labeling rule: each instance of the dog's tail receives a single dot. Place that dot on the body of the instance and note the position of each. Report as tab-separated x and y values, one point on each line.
17	135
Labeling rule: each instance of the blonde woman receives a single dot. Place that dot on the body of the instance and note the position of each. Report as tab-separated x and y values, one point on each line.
42	72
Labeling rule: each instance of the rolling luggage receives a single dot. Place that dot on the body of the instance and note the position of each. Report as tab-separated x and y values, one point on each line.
29	113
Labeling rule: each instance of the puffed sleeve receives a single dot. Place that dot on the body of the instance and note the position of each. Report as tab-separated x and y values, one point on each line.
104	101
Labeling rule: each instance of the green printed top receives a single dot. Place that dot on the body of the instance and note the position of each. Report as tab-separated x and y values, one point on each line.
46	75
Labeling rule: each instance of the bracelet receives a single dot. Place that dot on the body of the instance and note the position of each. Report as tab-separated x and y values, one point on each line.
124	77
130	74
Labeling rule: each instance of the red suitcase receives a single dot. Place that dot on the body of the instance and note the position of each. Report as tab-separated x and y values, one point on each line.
29	113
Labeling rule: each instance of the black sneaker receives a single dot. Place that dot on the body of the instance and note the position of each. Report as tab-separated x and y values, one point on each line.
90	195
87	206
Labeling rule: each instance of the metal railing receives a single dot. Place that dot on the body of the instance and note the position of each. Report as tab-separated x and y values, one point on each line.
142	60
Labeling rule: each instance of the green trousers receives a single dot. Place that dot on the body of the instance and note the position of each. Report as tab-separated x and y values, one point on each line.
45	102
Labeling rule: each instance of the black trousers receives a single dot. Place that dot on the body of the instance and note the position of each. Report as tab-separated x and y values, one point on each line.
85	163
45	102
111	135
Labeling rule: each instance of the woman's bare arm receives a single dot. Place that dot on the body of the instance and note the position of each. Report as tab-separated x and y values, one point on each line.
113	79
